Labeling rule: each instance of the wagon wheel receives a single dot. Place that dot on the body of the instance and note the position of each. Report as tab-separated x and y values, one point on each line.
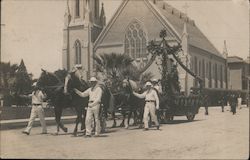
190	116
169	118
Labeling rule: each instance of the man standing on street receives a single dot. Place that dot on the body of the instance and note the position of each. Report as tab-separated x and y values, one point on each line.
151	105
95	94
37	110
233	103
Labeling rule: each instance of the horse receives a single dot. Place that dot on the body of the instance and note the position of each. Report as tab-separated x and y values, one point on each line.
75	81
128	104
53	87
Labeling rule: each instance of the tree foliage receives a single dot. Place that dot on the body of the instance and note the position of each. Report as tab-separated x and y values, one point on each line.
116	67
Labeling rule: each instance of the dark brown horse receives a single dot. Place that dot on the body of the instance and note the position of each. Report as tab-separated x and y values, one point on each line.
53	87
127	104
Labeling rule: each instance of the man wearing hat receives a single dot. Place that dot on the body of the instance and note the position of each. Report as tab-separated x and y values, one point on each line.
95	94
37	97
75	70
151	105
156	85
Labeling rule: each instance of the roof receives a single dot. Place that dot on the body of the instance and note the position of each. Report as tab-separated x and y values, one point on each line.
235	59
177	20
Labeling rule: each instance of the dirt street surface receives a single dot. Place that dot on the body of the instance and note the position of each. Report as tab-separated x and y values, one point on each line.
218	135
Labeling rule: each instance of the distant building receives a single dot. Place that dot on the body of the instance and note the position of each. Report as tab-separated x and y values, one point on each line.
134	24
239	73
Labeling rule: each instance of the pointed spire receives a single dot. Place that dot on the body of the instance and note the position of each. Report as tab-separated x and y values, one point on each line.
102	16
67	16
184	33
184	39
225	53
22	67
87	12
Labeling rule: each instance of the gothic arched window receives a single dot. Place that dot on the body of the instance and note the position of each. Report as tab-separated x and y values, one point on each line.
78	55
77	9
135	43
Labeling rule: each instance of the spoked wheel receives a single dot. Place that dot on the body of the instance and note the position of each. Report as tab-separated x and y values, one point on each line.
169	118
190	116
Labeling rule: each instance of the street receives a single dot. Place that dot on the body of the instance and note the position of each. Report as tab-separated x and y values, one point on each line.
219	135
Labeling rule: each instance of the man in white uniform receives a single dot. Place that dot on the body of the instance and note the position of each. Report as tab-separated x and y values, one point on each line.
37	110
95	94
151	105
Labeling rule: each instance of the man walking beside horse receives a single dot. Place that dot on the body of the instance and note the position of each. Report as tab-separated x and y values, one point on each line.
95	94
151	105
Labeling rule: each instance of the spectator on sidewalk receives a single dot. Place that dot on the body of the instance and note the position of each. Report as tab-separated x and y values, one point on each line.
239	101
222	102
233	103
37	97
205	103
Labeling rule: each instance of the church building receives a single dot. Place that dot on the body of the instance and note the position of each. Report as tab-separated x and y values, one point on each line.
133	25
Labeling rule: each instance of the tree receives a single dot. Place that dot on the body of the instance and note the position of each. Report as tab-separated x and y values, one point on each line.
117	67
23	81
7	79
7	74
22	85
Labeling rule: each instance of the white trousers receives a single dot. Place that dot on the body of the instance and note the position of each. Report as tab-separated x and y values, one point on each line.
93	112
36	111
149	109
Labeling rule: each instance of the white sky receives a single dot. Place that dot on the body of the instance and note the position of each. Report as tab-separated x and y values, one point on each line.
33	28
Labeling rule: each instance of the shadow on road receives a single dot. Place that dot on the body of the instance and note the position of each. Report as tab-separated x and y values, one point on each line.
181	121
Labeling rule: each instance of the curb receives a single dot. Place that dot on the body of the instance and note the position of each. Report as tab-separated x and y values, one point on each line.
22	123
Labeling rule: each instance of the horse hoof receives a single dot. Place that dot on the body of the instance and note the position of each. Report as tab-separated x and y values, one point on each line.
55	134
74	135
65	130
82	128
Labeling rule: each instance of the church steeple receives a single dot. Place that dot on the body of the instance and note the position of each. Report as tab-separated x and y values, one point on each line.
87	18
102	17
184	40
67	15
225	53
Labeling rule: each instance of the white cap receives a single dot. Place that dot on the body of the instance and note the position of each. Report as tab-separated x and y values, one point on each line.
93	79
154	80
148	84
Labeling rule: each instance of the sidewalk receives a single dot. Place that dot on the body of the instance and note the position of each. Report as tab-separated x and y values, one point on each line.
22	123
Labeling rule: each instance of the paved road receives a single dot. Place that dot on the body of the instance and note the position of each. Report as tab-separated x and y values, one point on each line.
219	135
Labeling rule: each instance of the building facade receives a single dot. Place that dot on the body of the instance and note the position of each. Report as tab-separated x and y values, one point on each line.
83	22
135	23
239	73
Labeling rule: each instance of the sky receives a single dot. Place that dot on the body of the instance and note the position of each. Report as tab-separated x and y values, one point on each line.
32	29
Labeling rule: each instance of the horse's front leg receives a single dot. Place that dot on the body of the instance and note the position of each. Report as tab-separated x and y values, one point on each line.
83	126
114	121
76	126
58	114
123	119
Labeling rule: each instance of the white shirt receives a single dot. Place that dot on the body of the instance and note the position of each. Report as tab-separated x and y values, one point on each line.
95	95
37	97
150	95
